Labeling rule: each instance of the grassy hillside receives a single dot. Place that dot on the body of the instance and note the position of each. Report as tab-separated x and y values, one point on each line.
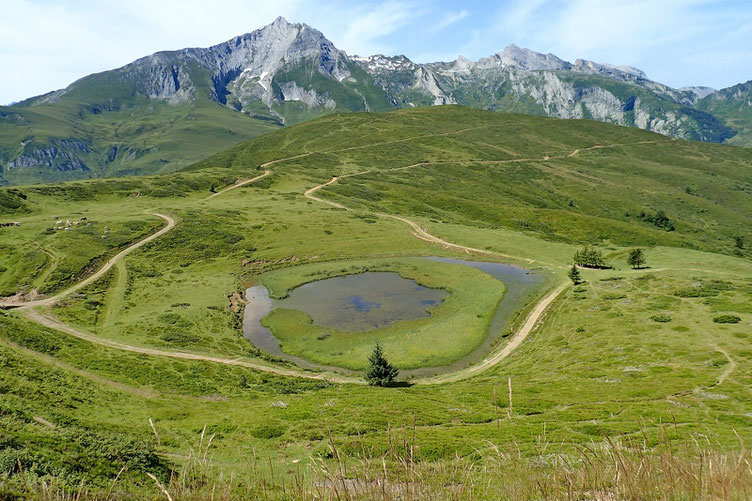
117	137
516	172
649	366
734	106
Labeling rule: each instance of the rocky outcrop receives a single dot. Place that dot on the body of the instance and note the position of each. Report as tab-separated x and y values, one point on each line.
62	155
261	72
522	80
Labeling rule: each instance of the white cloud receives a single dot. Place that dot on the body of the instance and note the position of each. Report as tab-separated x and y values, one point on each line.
47	45
450	18
365	28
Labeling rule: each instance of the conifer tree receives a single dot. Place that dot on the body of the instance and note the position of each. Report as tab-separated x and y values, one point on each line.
574	275
380	372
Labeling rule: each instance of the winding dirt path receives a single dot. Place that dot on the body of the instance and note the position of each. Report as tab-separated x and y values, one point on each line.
96	275
50	321
732	365
531	322
47	320
417	231
239	183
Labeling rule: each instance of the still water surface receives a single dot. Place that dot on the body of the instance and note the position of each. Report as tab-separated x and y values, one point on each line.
374	300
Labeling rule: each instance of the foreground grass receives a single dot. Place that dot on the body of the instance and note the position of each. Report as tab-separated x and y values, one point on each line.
602	470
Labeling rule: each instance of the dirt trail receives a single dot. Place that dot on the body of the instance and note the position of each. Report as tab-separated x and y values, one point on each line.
47	320
422	234
729	369
338	150
417	231
140	391
96	275
50	265
116	293
530	322
239	183
50	321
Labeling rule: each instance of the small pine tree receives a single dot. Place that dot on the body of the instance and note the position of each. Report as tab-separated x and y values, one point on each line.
574	275
636	258
380	372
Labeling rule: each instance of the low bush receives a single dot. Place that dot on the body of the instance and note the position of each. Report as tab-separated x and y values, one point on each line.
727	319
661	317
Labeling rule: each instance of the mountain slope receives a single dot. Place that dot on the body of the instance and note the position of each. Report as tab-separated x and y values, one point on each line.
564	180
734	106
522	81
165	111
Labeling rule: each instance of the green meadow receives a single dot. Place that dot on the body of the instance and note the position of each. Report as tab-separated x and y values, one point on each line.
455	327
625	380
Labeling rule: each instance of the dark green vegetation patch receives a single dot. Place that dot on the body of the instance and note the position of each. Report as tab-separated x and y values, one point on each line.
727	319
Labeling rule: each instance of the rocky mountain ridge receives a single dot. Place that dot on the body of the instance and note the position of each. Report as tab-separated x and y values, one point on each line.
284	73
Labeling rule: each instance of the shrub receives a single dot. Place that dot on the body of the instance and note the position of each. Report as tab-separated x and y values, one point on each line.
268	431
659	220
727	319
574	275
380	372
661	317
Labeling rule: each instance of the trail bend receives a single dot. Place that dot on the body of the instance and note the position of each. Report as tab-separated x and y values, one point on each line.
96	275
493	359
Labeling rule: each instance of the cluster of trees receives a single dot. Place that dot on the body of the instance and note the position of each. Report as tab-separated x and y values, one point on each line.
659	220
589	258
592	258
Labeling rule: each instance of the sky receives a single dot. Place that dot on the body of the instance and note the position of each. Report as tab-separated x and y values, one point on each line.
47	44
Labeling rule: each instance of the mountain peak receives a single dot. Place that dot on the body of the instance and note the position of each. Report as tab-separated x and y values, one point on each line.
526	59
610	70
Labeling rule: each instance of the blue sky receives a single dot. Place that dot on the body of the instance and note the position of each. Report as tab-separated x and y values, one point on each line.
47	44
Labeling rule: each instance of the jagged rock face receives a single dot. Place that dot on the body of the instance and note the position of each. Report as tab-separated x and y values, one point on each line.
61	156
162	79
515	75
247	65
287	72
242	68
526	59
698	92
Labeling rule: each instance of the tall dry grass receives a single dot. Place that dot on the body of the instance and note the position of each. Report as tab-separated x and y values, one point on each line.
607	470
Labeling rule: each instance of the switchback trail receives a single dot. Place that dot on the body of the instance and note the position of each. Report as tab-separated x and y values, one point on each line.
96	275
422	233
47	320
50	321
